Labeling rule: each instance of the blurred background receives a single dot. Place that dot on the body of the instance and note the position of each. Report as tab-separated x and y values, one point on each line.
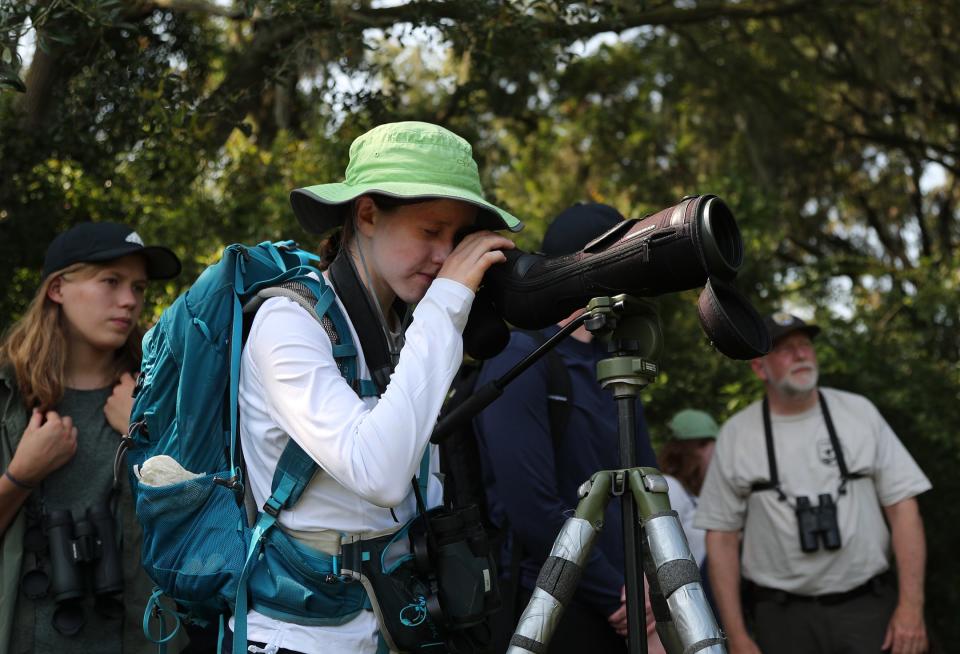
830	128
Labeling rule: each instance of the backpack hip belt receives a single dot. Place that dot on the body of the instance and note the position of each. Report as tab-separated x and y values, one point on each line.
329	540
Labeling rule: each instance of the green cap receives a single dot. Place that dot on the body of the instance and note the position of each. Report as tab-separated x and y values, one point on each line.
407	160
690	424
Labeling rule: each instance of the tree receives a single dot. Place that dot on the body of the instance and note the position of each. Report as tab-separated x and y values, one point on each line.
831	130
113	83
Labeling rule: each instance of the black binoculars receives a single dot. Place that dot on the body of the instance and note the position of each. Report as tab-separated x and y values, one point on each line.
816	522
82	555
453	552
83	549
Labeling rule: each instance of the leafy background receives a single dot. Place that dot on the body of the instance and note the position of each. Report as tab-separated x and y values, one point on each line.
830	128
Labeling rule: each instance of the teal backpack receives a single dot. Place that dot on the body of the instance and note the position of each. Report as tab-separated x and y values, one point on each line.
198	543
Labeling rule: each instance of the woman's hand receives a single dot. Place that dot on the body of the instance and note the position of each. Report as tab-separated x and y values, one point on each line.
47	443
120	403
473	256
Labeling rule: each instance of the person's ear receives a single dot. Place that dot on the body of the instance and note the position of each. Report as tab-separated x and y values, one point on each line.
758	368
366	215
55	290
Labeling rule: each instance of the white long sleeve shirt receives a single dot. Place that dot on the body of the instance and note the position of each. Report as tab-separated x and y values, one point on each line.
367	449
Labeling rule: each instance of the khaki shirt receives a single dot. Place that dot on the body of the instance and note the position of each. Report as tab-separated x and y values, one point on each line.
807	466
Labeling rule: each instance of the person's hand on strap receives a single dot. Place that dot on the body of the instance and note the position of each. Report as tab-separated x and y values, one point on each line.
48	442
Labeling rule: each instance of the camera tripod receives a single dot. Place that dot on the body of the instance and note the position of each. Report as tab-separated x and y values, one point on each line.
653	538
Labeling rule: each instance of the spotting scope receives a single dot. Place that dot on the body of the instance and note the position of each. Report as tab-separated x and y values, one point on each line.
691	244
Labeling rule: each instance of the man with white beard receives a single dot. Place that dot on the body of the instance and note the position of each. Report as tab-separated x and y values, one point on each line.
807	481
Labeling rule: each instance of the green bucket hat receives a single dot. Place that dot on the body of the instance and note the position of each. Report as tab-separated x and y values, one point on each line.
407	160
690	424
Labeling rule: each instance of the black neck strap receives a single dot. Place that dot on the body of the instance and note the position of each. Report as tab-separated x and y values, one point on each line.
774	481
365	319
845	474
371	331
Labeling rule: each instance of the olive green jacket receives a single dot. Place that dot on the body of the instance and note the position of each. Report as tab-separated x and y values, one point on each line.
13	420
138	586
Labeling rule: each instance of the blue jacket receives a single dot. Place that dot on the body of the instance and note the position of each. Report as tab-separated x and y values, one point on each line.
532	485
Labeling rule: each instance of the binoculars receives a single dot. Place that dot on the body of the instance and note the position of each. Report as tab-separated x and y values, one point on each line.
816	522
691	244
451	548
82	555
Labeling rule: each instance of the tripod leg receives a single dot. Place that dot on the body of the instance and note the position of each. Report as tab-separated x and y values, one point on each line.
560	573
685	621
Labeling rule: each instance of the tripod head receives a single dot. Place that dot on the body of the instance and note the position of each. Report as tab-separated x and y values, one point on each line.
631	328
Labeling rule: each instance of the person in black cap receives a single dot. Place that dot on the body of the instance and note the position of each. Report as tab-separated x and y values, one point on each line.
66	382
807	481
533	466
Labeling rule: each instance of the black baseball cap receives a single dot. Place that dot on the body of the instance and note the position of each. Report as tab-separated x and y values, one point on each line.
576	226
781	323
105	241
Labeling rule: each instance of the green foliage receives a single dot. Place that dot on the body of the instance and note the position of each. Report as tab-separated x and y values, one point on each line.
829	128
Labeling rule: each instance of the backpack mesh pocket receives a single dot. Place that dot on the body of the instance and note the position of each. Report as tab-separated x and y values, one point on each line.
190	549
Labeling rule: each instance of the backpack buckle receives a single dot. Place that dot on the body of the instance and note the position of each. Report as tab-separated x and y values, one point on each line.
138	386
272	507
233	483
351	559
136	426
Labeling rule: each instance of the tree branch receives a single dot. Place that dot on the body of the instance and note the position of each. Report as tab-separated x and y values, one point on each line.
636	16
916	199
893	247
945	221
197	6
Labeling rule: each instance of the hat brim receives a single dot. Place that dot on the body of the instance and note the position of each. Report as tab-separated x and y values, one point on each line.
809	330
693	437
320	208
162	263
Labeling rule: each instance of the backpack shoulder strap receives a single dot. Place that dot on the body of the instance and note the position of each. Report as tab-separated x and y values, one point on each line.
366	319
13	415
295	468
319	300
559	405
